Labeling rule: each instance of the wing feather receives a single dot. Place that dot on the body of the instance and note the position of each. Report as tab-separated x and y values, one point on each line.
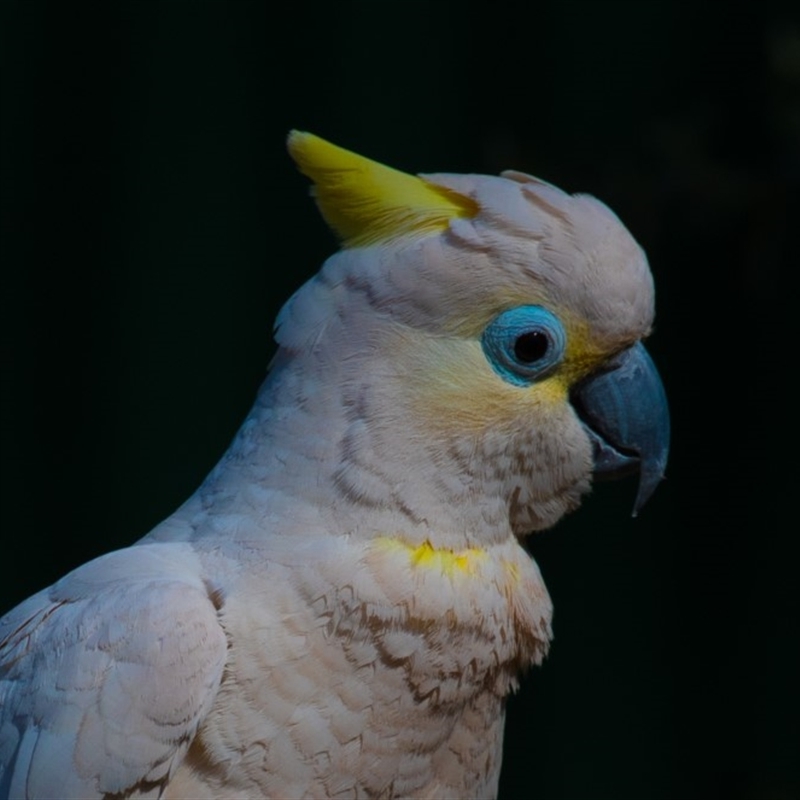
106	676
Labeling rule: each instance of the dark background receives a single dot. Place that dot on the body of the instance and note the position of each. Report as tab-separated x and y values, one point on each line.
152	225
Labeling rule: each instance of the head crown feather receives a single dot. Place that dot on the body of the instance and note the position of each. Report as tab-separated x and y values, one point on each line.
365	202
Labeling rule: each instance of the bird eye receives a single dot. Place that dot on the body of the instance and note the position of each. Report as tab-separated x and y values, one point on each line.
524	343
531	346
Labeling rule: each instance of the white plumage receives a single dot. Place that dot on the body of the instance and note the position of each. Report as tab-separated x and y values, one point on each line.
342	607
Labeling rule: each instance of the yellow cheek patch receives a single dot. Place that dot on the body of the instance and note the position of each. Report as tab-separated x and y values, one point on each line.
453	388
490	403
366	202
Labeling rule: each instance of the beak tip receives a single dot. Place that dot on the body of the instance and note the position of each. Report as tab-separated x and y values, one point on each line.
649	480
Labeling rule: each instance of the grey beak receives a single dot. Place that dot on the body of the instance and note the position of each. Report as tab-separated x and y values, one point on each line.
625	413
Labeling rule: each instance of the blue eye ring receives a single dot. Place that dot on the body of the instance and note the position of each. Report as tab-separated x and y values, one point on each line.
524	344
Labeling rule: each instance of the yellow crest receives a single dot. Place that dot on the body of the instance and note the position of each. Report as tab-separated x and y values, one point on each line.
365	202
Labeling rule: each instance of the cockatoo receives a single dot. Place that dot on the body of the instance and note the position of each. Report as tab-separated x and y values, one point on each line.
344	605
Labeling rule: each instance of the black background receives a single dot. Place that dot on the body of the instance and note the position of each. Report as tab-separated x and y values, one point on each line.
153	225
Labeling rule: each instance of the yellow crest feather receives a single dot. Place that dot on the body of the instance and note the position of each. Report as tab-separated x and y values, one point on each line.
366	202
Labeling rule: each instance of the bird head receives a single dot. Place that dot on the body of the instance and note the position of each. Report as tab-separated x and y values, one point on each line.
484	335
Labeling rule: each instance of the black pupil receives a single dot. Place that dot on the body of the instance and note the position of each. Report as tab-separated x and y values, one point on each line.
531	346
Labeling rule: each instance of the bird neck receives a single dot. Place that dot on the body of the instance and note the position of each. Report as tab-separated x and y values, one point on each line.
327	460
